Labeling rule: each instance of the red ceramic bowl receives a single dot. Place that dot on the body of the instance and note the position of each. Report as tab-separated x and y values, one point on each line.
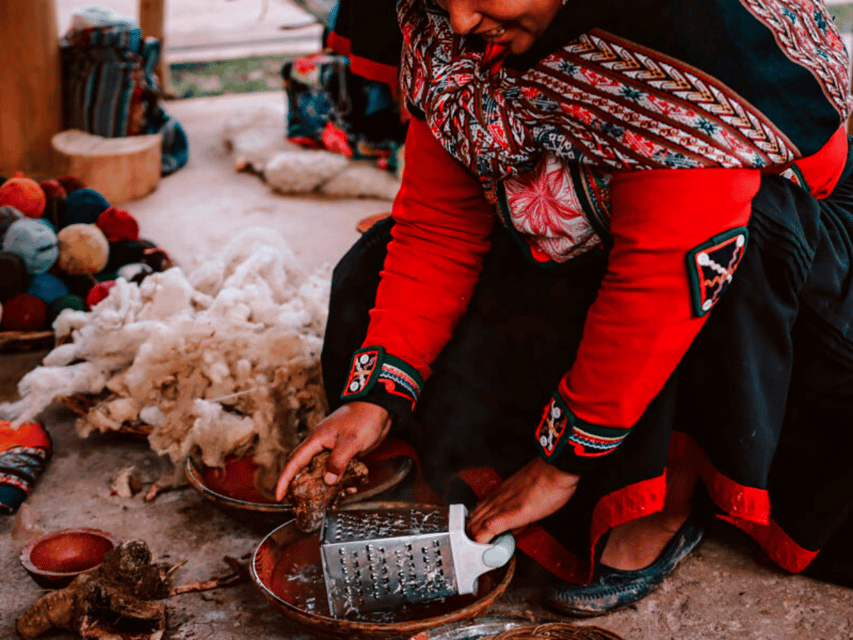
55	559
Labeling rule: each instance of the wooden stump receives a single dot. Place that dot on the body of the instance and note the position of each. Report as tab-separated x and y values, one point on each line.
121	169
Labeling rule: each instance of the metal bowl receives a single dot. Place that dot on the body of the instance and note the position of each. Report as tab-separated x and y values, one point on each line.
232	487
55	559
286	568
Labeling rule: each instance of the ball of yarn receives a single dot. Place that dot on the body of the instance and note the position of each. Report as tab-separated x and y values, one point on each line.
47	287
65	302
99	292
83	206
103	276
54	208
156	257
79	285
135	272
13	275
24	194
118	224
70	183
125	252
34	241
24	312
83	248
8	215
46	223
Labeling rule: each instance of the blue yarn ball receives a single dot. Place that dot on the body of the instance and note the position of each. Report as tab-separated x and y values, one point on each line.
84	206
65	302
47	287
46	223
34	242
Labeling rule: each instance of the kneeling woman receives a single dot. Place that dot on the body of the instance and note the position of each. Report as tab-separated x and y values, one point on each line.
619	262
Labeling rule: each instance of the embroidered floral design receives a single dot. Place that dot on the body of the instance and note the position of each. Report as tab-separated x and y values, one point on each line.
546	210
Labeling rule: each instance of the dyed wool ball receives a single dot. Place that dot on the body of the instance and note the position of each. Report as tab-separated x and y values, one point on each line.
70	183
54	208
24	194
47	287
24	312
118	224
125	252
13	274
8	215
65	302
83	248
83	206
156	257
99	292
136	272
79	285
34	241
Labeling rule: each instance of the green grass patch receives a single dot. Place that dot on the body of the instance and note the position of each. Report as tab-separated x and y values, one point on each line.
218	77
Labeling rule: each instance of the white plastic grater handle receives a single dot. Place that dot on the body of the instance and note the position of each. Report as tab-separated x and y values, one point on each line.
472	559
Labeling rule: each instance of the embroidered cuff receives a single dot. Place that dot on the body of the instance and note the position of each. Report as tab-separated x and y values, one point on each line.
571	444
383	379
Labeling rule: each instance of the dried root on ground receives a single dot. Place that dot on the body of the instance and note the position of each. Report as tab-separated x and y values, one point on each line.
116	600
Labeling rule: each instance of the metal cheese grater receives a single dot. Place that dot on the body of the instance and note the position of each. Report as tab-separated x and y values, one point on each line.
382	558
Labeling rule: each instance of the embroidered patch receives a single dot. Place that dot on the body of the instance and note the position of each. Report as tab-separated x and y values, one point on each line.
711	265
364	372
554	424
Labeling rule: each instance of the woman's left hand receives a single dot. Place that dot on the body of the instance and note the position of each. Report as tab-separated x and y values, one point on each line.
535	491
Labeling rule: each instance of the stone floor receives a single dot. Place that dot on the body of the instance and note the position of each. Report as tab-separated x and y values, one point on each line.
724	591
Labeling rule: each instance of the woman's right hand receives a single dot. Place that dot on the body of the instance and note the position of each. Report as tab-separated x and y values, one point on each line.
354	428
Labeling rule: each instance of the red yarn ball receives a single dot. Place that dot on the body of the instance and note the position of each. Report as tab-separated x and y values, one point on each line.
98	293
70	183
118	224
24	194
53	189
24	312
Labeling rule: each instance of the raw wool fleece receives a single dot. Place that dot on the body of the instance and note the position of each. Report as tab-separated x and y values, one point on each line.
257	141
223	361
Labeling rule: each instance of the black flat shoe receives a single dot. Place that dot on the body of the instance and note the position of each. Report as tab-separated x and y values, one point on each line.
612	589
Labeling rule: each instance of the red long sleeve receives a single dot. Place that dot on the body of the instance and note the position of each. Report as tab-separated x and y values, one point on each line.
642	321
442	232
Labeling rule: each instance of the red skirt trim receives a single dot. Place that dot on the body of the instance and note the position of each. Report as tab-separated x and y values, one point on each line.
776	543
740	501
747	508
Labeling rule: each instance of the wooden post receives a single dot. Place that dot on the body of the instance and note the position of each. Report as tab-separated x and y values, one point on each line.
152	21
30	86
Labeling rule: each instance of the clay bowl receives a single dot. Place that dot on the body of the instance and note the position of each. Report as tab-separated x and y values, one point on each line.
232	488
55	559
287	570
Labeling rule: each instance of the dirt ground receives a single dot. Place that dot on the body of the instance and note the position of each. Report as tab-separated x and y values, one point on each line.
723	591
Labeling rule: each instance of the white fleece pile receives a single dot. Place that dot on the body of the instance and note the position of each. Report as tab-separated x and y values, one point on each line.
219	361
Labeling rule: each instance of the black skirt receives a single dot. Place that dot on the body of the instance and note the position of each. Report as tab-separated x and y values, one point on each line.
761	403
